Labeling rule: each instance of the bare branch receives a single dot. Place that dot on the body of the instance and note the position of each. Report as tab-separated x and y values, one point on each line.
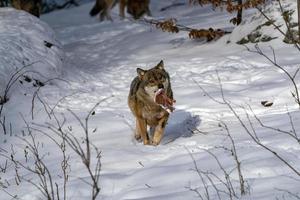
288	74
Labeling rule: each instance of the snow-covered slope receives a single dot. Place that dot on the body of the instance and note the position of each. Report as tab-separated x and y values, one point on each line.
101	61
23	51
22	42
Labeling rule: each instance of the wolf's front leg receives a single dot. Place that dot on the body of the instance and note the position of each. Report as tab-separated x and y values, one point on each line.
160	129
141	130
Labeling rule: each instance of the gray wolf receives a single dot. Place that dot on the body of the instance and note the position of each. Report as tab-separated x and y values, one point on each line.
141	101
136	8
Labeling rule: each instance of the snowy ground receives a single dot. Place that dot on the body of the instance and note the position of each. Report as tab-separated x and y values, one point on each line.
101	60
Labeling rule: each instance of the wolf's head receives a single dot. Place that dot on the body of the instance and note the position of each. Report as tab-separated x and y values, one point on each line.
154	79
137	8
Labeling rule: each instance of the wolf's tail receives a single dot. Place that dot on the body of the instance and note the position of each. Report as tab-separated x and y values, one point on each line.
96	9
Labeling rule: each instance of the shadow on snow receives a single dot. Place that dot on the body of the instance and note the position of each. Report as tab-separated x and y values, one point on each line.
180	124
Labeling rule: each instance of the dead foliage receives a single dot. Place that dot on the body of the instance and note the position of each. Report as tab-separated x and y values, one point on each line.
210	34
171	26
168	26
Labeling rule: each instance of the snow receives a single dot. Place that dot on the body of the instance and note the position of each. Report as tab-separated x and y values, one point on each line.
99	60
22	44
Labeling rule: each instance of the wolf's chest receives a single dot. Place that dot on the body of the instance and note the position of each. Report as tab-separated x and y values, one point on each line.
152	114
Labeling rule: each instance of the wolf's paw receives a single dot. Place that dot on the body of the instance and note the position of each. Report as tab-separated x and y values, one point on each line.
138	138
153	143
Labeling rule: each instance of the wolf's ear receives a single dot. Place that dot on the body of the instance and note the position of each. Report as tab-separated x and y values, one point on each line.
140	72
160	65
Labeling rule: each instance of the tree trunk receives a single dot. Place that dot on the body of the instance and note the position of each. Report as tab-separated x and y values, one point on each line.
298	6
240	12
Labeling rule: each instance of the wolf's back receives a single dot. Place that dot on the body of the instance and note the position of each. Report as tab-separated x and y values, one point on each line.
134	86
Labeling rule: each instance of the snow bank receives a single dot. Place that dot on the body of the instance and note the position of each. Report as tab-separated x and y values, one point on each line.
25	41
257	29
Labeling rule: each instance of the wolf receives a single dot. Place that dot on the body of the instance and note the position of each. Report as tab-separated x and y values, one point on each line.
103	7
141	101
136	8
33	7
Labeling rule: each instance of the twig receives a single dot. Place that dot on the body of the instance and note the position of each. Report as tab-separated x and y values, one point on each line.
290	76
200	176
238	163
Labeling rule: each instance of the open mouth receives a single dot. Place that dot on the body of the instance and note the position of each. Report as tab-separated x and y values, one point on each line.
163	100
160	96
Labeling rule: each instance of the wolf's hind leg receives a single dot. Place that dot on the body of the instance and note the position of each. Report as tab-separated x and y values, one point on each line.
102	16
108	16
122	6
